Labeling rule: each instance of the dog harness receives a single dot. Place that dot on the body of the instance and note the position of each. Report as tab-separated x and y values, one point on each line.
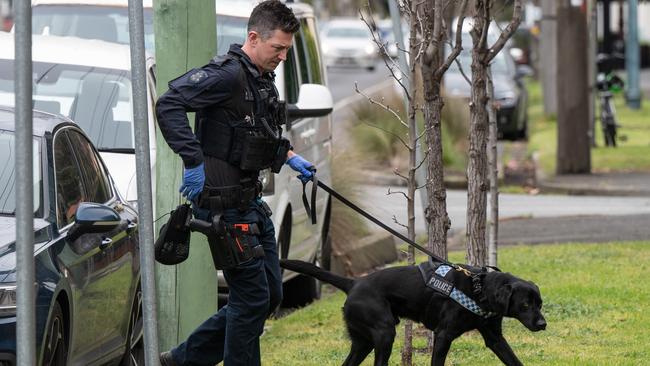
435	278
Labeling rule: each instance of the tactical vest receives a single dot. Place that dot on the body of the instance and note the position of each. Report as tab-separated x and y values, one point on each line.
253	142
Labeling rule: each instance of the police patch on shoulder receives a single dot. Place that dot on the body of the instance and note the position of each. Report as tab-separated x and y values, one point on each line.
198	76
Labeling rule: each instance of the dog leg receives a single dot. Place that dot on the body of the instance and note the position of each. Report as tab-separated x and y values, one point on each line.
359	350
383	339
495	341
441	345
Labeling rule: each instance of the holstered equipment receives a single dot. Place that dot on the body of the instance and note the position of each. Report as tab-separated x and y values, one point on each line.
173	243
230	244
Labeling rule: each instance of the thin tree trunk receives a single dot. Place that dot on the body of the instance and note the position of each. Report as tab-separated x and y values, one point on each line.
493	241
407	349
477	179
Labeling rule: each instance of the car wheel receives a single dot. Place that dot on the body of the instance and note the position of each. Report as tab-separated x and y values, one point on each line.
523	132
134	355
55	346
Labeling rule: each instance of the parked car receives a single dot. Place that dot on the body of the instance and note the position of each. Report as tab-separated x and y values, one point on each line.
347	42
88	81
387	35
302	83
510	91
86	251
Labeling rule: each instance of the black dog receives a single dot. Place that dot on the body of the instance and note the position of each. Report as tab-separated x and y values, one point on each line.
377	301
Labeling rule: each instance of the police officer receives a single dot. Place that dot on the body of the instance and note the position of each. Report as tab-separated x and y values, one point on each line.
237	133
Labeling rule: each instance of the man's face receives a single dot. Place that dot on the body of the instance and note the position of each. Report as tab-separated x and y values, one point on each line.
269	52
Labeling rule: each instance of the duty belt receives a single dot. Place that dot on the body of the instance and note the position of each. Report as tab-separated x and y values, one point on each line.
222	198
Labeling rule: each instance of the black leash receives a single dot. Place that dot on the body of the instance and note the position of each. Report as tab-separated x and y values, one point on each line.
312	214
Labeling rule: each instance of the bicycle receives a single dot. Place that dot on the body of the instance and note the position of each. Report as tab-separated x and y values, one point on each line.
608	83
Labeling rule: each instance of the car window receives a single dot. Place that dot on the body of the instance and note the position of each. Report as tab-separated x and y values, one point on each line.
97	99
69	187
230	30
307	47
8	174
291	81
95	179
107	23
347	32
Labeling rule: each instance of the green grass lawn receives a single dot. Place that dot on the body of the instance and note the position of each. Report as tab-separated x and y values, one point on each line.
632	153
596	303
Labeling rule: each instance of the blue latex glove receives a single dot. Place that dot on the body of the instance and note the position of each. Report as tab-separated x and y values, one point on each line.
302	166
193	181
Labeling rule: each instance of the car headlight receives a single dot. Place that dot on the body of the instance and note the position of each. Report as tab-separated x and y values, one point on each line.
7	300
370	49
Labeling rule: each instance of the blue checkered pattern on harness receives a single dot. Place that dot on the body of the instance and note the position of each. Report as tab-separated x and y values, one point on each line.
442	270
467	303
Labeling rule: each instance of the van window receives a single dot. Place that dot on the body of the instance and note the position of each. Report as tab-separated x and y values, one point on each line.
310	46
307	52
291	81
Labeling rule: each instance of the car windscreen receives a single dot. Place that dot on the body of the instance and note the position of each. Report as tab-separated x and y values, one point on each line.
111	24
107	23
97	99
8	174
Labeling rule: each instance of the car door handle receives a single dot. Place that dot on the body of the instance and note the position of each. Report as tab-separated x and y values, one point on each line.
105	243
131	226
308	133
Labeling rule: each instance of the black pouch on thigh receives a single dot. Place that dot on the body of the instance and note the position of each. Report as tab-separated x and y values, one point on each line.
235	244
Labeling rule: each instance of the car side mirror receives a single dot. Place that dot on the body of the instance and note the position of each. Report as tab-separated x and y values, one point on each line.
314	100
93	218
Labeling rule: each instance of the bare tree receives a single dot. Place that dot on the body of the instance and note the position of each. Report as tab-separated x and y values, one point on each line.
477	176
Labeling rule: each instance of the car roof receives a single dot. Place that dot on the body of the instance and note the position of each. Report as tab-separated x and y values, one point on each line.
42	122
237	8
71	51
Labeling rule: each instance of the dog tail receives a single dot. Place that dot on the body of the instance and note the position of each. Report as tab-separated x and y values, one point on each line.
342	283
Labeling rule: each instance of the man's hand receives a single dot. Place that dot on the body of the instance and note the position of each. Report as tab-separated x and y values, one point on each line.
193	181
302	166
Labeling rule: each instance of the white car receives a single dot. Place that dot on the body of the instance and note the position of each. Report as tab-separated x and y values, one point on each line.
88	81
347	42
301	82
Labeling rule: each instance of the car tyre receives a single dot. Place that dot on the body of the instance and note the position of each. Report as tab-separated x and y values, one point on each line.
134	355
55	347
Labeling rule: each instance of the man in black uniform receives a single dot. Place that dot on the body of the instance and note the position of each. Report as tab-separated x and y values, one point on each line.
237	133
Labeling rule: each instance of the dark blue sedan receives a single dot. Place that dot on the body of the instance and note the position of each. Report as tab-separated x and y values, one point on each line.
86	252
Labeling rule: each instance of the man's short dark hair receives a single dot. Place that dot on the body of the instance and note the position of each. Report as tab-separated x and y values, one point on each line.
272	15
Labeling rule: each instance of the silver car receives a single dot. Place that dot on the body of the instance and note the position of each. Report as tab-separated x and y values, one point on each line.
347	42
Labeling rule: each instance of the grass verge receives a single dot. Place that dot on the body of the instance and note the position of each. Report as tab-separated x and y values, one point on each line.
632	153
596	301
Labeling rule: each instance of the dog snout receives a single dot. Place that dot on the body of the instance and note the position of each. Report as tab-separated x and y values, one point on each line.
540	324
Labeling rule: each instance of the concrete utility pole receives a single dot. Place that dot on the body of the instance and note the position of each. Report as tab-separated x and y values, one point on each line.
187	293
548	55
632	56
573	143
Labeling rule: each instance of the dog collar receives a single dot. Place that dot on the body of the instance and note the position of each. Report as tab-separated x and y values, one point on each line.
436	280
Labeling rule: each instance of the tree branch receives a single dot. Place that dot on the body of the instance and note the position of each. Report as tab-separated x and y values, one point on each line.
509	31
458	46
398	192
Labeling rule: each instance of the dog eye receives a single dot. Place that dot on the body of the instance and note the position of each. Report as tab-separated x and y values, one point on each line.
526	305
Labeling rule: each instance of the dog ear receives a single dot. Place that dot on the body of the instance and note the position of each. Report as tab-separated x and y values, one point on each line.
503	298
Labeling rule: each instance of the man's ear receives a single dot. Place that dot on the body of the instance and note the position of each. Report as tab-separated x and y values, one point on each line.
253	37
502	299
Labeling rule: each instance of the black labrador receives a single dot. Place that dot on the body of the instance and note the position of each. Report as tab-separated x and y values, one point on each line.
377	301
